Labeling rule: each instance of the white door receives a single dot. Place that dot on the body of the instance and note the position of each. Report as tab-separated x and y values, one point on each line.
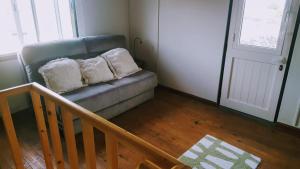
258	46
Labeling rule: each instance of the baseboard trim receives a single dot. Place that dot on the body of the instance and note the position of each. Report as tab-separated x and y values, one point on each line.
7	57
290	129
225	109
248	116
20	108
21	112
281	126
187	95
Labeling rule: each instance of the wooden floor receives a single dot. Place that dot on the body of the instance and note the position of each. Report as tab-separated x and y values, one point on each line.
173	123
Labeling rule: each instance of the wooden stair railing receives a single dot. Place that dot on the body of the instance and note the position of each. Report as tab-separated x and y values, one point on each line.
153	157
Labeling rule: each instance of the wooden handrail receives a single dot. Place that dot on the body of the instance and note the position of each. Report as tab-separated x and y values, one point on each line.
114	135
16	90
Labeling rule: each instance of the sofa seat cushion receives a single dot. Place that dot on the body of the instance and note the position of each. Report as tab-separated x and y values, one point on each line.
95	97
101	96
135	84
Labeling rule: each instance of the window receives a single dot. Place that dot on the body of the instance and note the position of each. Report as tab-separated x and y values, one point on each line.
262	23
31	21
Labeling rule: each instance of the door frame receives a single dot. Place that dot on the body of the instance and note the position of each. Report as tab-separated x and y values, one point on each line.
290	54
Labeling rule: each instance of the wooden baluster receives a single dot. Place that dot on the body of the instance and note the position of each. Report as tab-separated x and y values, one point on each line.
11	133
70	138
89	144
54	132
39	115
111	151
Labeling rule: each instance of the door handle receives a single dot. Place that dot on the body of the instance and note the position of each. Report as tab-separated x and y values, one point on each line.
283	62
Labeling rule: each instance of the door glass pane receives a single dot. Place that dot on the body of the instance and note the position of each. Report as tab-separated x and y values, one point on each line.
261	23
27	23
9	41
46	20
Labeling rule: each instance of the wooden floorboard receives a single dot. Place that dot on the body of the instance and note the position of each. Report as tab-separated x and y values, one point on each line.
172	122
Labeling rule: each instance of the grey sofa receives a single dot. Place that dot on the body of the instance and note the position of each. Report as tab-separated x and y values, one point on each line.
105	99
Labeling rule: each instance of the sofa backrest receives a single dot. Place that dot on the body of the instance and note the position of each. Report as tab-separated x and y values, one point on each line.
96	45
32	57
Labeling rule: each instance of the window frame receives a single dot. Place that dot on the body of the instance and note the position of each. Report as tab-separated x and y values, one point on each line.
282	33
20	33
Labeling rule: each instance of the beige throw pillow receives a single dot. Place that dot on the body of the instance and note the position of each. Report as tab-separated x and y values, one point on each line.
62	75
95	70
121	62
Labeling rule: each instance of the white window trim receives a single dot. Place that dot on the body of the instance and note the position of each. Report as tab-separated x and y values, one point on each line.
20	33
58	19
8	56
35	20
74	18
282	34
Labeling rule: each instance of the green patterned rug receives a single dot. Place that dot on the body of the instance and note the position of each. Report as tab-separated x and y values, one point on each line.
212	153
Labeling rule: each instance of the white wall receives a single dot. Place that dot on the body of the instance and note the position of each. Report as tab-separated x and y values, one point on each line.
191	40
11	75
291	96
192	34
144	24
94	17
